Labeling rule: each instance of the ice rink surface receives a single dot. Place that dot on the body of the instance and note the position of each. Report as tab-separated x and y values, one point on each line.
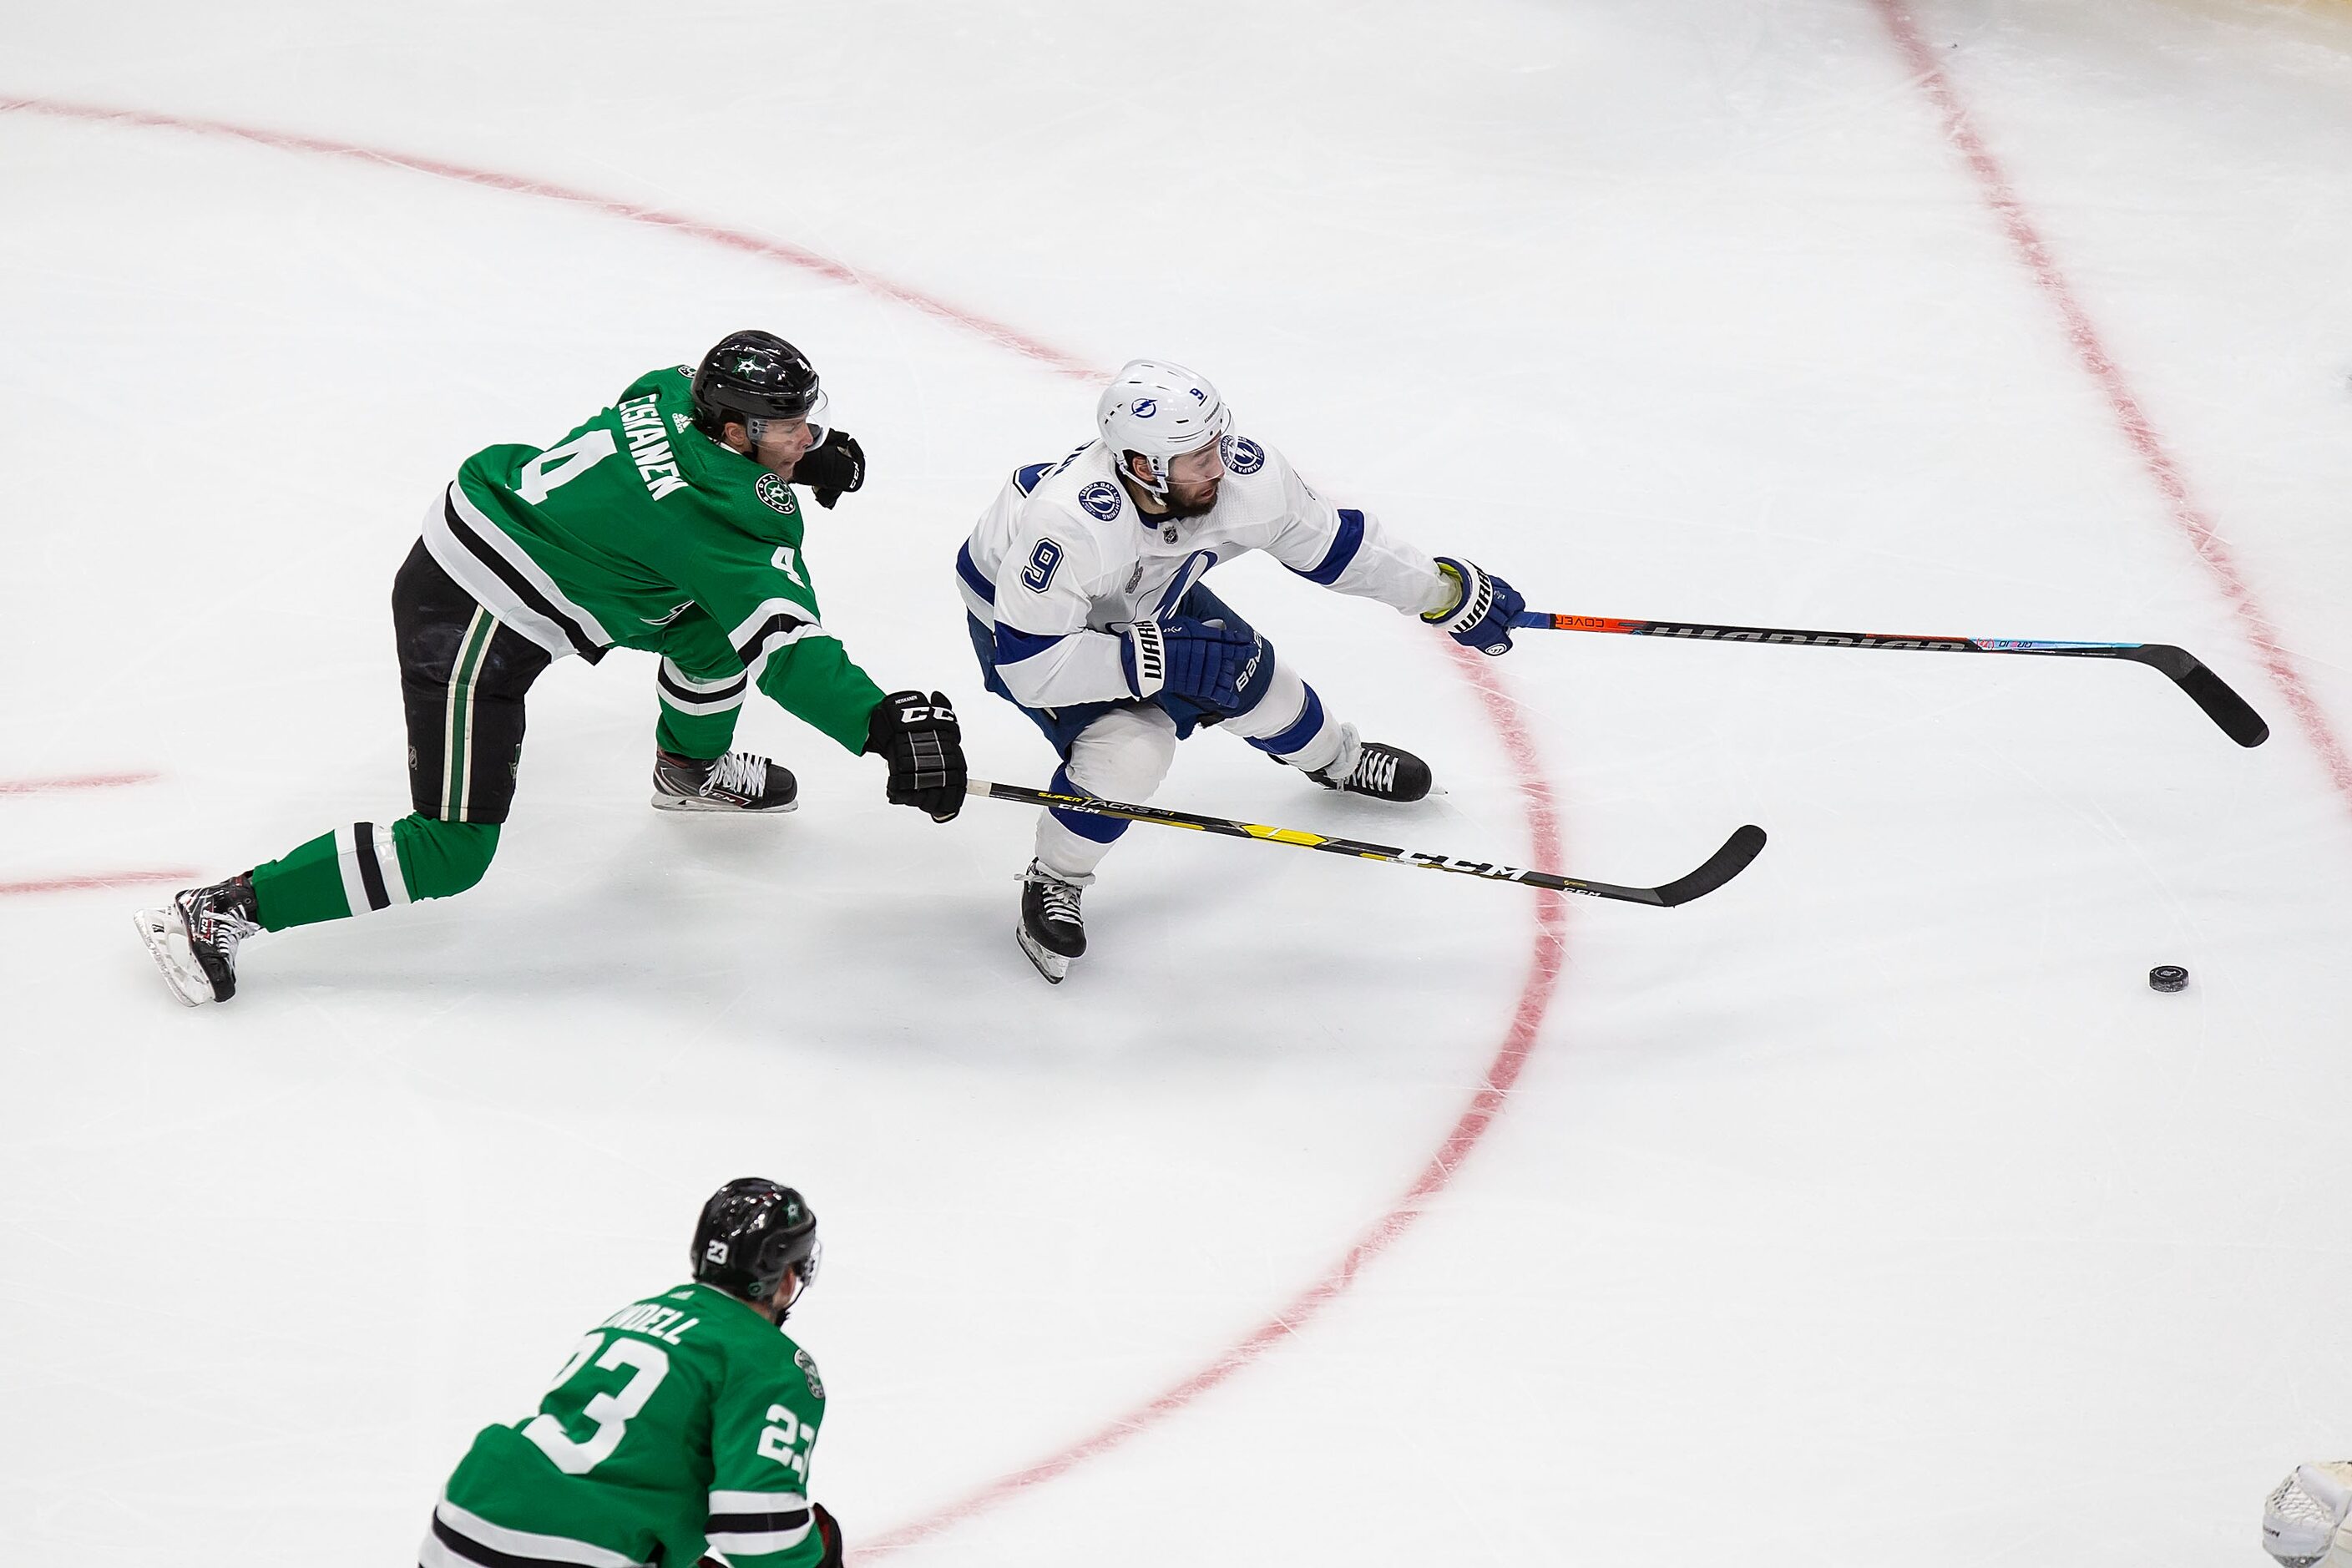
1870	1210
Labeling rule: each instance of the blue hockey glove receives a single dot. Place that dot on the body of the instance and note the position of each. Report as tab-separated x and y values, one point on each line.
1205	661
1481	616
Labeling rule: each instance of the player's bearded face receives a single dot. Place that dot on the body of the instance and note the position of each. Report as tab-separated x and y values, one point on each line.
1192	482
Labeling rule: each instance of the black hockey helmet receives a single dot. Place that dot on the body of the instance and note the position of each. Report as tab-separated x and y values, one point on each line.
751	1232
750	377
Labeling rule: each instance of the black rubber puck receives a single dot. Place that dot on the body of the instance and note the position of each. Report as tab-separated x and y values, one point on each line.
2167	977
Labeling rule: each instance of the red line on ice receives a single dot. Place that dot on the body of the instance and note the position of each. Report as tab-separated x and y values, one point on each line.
1543	824
2155	456
77	780
733	239
1526	1022
109	879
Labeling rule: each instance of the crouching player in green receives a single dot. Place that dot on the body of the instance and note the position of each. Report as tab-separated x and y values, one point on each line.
669	522
683	1424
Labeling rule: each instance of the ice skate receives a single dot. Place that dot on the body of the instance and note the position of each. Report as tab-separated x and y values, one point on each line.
1052	930
1373	768
735	782
194	939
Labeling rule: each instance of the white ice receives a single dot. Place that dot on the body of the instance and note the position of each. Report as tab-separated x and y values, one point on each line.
1870	1210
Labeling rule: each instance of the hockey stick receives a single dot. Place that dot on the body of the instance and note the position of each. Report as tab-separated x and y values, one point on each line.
1721	866
2208	691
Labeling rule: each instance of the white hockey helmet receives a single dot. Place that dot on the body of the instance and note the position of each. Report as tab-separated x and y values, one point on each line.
1161	410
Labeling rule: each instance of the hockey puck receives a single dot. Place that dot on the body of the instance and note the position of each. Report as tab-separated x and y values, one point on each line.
2167	977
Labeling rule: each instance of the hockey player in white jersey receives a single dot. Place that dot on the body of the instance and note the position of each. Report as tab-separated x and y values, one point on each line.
1083	587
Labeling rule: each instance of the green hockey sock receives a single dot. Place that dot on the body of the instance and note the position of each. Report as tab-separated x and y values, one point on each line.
366	866
701	736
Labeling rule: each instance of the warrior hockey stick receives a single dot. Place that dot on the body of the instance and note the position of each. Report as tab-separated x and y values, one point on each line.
2208	691
1721	866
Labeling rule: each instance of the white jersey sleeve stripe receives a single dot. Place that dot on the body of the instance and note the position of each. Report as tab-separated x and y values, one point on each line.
489	565
756	1503
471	1529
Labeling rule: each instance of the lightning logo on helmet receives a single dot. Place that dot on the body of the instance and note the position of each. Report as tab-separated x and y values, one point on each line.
1145	407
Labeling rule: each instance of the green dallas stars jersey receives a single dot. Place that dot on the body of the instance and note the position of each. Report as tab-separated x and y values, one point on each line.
637	530
684	1422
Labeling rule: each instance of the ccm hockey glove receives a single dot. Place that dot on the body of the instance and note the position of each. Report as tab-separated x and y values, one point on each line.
919	738
832	467
1480	615
1205	662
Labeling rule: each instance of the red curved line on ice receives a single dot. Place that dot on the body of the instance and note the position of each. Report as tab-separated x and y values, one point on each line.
732	240
2156	458
1526	1022
1518	744
72	781
105	880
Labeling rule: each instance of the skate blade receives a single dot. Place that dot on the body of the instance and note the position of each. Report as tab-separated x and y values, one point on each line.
160	930
696	803
1052	965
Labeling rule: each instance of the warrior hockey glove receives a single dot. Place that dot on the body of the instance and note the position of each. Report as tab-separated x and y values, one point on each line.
1481	616
832	467
919	738
1202	661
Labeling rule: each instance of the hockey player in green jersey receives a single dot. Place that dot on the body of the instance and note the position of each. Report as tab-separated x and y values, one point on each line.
668	522
682	1424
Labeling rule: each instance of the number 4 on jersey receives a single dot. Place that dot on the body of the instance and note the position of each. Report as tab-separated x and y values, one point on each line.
561	465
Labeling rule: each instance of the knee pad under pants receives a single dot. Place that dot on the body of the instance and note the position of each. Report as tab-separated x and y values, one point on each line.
1122	755
463	674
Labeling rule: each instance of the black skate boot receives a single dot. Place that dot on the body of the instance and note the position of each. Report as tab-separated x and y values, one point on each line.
1380	771
194	939
1052	930
735	782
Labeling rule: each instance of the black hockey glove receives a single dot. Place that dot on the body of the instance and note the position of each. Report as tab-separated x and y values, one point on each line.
830	1532
1481	616
919	738
832	467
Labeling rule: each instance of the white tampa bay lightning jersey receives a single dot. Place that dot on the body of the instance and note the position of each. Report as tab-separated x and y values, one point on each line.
1063	556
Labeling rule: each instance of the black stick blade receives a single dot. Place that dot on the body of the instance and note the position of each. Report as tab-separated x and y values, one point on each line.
2232	713
1744	845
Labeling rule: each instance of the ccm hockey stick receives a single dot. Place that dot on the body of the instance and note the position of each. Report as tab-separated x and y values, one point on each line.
2208	691
1721	866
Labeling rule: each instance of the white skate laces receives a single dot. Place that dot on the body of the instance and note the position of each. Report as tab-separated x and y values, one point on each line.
1059	899
738	773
